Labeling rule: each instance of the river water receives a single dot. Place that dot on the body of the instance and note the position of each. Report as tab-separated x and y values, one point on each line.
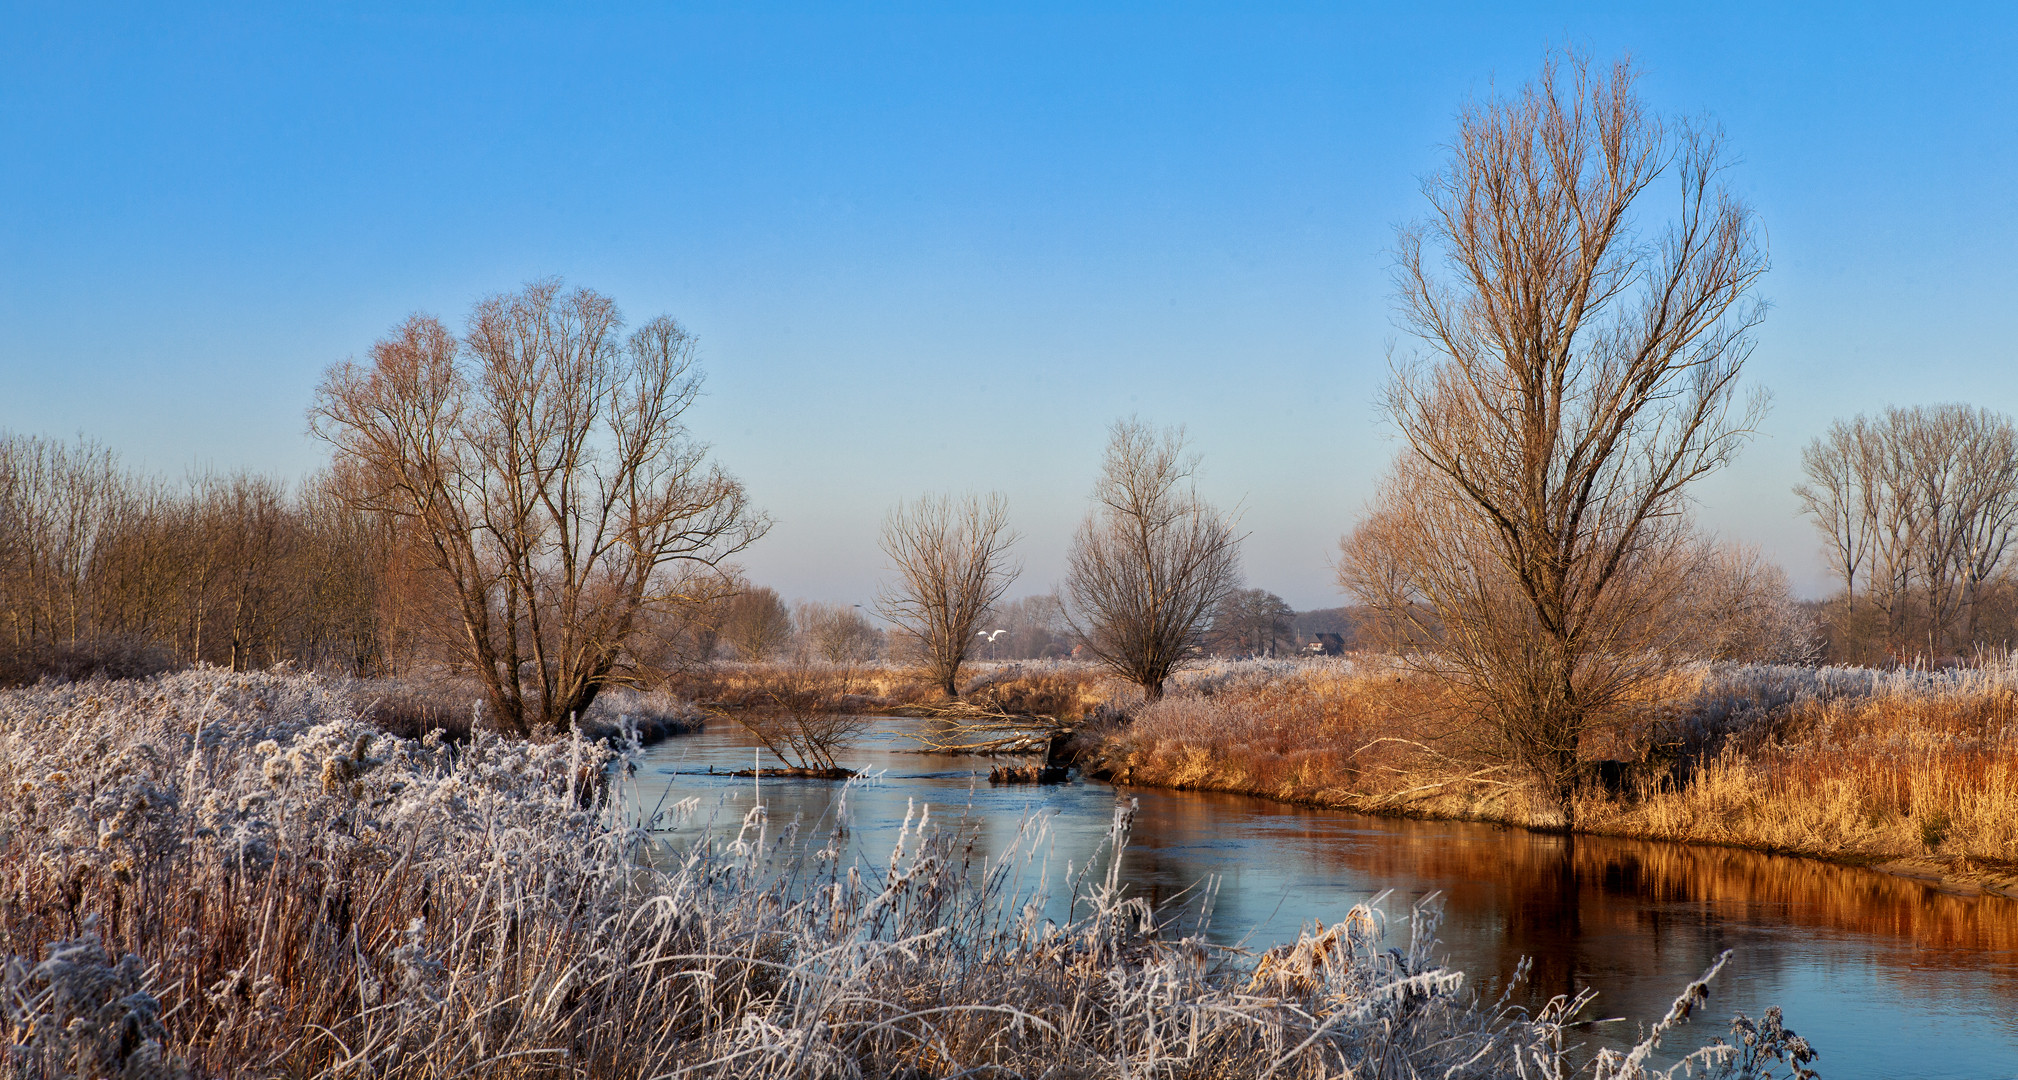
1887	977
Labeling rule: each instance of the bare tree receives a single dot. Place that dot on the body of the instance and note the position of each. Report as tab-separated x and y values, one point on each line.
952	562
254	533
1578	380
544	460
1252	622
1152	562
837	633
1737	606
55	501
756	623
1843	478
136	568
1987	507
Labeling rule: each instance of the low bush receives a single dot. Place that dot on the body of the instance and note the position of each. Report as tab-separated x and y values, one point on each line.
105	658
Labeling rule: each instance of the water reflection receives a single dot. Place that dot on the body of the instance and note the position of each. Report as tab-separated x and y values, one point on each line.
1889	977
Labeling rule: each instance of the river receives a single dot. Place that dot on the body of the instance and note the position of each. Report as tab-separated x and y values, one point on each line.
1887	977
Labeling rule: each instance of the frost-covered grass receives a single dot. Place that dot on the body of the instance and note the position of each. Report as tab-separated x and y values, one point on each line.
1833	761
1836	761
215	874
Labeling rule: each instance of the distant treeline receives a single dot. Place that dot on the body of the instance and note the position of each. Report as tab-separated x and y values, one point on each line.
1919	511
105	571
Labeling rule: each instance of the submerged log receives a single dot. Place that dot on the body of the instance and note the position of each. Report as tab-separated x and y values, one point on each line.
1027	774
836	773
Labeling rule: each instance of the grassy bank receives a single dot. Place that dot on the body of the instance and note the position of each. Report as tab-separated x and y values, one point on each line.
1052	688
209	874
1915	771
454	709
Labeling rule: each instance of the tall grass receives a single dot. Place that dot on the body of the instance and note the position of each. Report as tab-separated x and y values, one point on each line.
1845	762
214	874
1910	764
1062	688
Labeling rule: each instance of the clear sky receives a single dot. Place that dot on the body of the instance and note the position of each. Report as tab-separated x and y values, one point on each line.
941	247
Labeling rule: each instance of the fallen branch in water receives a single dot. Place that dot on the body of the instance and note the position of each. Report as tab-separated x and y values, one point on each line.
967	728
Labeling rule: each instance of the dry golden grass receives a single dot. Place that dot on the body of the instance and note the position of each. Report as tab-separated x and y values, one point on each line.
1356	734
1062	689
1909	771
861	687
1840	763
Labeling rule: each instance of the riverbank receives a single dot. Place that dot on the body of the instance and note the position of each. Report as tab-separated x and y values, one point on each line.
1914	773
453	710
1065	689
220	874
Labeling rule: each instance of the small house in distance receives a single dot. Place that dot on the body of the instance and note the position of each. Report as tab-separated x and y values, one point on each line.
1326	644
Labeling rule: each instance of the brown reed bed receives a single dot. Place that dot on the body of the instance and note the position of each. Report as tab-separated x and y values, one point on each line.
1917	771
1062	689
230	875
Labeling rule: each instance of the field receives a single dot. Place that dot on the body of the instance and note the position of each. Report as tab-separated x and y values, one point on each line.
217	874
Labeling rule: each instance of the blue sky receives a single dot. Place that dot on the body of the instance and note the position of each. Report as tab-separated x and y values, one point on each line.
942	246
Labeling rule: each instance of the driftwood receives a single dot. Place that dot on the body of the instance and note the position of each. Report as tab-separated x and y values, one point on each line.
1028	774
967	728
792	771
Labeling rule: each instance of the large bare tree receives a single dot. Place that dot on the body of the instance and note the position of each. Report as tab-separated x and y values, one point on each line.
1152	562
1581	371
544	458
952	562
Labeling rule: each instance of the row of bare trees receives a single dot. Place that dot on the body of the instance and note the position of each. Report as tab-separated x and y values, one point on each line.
101	569
1919	507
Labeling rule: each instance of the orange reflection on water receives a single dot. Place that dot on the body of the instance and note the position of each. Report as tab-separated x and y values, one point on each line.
1633	918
